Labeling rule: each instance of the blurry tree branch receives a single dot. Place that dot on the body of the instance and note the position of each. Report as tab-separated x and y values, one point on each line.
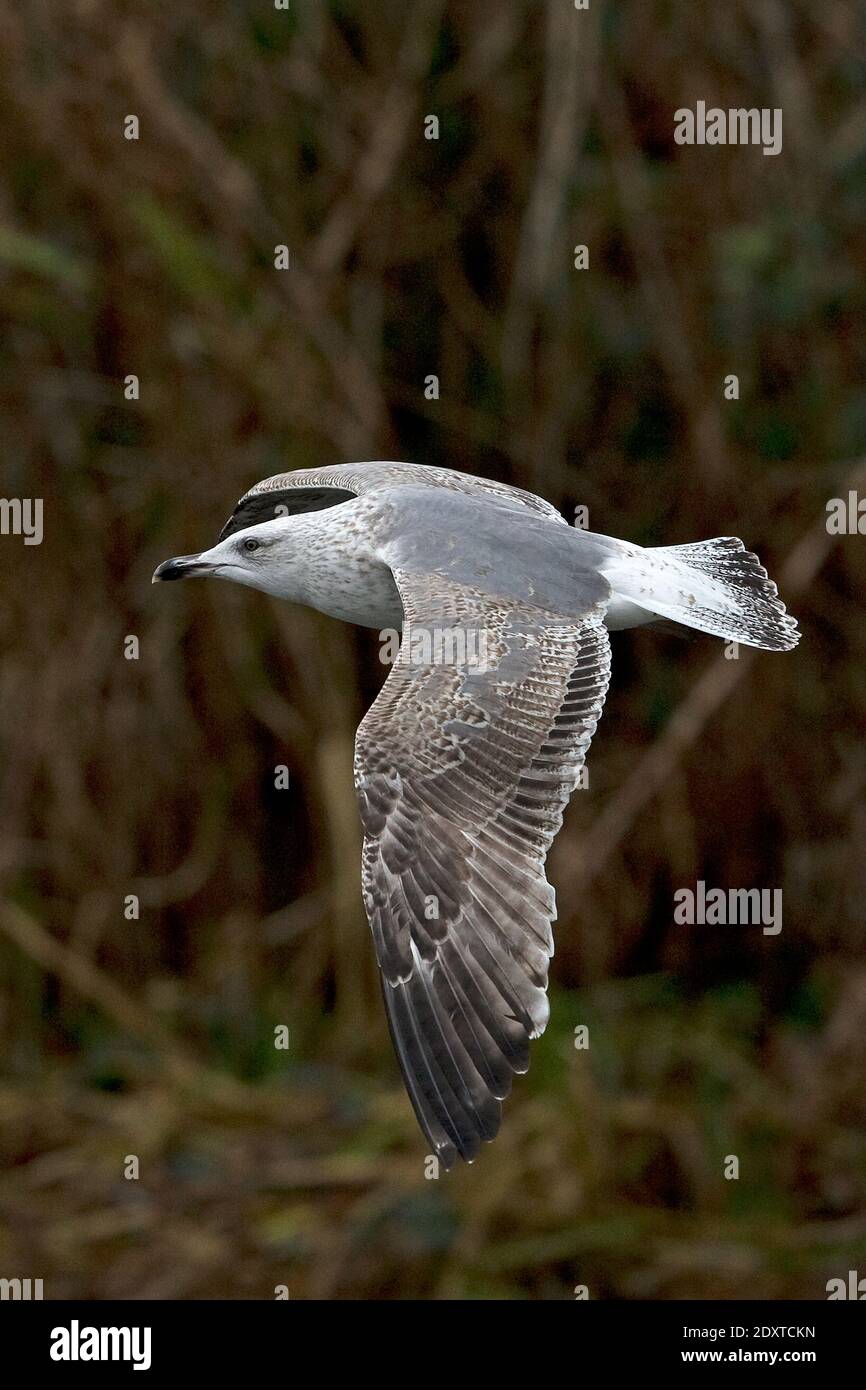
663	303
127	1013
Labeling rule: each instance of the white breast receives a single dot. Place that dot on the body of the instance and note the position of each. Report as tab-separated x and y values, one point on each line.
355	589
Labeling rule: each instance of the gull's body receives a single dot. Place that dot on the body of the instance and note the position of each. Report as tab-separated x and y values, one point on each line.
463	766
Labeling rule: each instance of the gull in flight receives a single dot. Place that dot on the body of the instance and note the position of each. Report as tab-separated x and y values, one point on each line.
466	760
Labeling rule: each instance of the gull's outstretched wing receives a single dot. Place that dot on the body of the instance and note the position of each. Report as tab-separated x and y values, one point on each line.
312	489
463	767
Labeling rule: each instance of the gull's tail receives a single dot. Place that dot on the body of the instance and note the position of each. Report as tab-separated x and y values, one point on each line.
716	586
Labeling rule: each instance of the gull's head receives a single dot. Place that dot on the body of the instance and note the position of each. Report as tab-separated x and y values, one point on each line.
264	557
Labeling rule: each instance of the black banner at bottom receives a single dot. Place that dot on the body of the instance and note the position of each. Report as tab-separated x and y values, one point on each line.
80	1339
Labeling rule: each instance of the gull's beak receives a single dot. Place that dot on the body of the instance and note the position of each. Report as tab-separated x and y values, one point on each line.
182	567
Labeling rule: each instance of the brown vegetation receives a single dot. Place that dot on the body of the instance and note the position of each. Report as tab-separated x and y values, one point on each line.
154	776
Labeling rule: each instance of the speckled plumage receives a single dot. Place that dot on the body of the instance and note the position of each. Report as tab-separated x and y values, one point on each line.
464	766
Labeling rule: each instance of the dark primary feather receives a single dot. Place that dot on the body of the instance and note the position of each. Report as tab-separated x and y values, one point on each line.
256	507
313	489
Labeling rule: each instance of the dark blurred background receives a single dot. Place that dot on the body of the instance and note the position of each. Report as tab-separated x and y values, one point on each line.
155	776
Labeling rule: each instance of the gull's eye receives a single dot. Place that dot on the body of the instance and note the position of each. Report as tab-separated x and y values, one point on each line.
251	544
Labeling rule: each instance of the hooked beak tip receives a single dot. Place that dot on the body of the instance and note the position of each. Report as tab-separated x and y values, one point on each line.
181	567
